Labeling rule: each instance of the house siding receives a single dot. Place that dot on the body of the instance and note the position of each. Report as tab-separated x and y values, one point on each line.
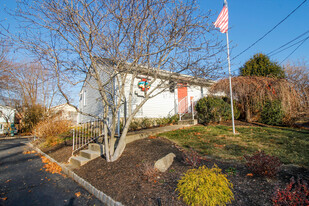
162	105
7	114
90	101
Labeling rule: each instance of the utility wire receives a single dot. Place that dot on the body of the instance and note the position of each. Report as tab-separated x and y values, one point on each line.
295	49
274	51
289	46
298	42
266	33
269	31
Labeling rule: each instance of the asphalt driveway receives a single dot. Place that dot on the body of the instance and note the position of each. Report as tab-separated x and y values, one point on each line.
23	182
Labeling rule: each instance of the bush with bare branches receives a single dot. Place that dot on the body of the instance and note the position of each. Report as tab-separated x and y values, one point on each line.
252	92
50	130
298	74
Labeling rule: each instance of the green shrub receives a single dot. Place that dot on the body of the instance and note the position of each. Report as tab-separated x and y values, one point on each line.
146	123
215	109
173	119
134	125
272	113
162	121
32	116
204	186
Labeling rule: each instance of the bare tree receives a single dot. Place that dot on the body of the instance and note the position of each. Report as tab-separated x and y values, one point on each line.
74	36
298	74
4	65
252	92
28	88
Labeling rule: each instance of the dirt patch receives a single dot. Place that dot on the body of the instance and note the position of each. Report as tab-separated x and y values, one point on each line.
125	182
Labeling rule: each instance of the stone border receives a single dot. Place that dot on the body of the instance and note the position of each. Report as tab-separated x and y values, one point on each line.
15	137
91	189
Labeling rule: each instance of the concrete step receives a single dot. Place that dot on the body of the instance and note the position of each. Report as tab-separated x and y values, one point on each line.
96	147
78	161
188	122
90	154
186	116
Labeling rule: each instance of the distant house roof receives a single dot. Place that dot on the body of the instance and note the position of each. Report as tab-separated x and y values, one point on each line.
63	107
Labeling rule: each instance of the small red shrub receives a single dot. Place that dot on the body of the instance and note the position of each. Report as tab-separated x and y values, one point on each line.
294	194
191	158
263	164
150	173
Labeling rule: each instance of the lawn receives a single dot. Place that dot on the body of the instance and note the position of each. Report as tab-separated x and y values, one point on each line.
291	145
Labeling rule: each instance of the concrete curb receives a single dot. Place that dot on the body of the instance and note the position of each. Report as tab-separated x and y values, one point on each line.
91	189
16	137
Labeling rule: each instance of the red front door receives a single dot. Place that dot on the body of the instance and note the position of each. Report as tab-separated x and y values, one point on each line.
182	98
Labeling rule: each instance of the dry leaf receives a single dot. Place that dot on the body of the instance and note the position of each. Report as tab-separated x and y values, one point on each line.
4	198
7	181
77	194
250	175
51	167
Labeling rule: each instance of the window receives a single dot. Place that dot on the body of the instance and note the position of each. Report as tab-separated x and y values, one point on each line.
85	98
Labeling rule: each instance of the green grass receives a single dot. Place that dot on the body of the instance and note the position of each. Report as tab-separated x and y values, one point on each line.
289	144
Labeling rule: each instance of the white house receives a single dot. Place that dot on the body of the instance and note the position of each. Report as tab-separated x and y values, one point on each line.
7	116
65	112
177	98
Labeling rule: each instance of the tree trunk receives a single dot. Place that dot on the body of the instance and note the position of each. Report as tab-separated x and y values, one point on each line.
248	113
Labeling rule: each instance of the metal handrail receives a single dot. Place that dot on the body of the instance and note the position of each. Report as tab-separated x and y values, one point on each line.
85	134
185	107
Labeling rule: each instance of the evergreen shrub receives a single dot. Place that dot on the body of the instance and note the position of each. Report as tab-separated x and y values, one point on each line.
215	109
204	186
272	113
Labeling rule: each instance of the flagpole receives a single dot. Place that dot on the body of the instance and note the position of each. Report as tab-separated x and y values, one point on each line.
230	78
222	23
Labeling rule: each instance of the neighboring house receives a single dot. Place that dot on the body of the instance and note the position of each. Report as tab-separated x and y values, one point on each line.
7	116
176	99
65	112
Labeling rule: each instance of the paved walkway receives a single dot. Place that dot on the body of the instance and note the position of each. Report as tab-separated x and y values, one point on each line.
22	182
132	136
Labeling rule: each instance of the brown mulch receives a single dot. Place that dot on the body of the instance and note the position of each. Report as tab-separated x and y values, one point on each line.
61	152
125	182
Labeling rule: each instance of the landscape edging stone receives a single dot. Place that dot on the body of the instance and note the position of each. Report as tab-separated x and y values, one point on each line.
90	188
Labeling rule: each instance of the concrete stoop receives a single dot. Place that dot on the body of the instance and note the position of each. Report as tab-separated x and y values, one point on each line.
187	122
94	151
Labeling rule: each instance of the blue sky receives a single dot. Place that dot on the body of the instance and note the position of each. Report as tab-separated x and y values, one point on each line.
248	21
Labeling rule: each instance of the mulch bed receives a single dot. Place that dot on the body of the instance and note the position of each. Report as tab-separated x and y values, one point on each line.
61	152
125	182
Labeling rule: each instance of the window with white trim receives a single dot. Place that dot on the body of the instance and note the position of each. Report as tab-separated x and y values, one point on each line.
84	93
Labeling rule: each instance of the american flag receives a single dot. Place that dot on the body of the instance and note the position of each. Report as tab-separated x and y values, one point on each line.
222	21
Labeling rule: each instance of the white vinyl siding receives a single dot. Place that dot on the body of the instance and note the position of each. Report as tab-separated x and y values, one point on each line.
162	105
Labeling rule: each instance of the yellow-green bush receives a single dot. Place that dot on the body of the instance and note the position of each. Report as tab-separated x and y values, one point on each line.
204	186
